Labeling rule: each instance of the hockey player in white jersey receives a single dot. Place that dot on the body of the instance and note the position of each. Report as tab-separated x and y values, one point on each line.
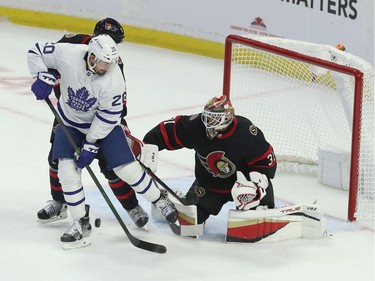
90	106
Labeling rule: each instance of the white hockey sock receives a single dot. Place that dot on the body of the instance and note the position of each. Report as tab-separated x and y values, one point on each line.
139	180
74	195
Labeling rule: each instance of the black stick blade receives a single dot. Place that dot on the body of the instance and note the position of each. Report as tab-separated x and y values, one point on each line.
151	247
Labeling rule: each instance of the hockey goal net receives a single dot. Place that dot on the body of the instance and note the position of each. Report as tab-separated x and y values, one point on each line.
307	97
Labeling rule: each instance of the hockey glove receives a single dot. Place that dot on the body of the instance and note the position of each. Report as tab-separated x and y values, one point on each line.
42	87
147	154
247	194
88	153
244	195
259	179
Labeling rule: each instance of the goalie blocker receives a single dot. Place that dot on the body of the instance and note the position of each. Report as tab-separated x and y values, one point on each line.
273	225
147	154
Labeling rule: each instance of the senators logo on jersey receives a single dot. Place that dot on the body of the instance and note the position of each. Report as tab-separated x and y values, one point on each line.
217	164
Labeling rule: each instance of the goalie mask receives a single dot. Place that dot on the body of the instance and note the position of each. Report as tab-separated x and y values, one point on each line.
105	54
217	115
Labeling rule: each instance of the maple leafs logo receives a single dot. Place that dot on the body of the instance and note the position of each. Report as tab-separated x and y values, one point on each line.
79	100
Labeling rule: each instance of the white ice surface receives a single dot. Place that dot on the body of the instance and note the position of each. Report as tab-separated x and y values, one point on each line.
161	84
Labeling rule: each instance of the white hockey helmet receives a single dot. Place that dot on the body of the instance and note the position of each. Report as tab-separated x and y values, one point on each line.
104	48
218	113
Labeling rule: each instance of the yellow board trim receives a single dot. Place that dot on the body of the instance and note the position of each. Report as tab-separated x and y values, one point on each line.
134	34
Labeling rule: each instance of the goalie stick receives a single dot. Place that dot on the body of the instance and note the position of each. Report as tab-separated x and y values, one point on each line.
175	227
156	248
183	200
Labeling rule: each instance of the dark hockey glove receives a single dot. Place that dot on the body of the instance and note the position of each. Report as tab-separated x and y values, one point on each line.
42	87
88	153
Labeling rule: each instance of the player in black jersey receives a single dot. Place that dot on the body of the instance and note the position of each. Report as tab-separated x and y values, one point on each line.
233	160
56	208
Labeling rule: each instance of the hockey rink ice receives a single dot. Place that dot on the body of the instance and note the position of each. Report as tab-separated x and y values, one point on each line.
161	84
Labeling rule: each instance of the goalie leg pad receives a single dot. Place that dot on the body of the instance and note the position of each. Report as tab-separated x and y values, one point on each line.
290	222
187	218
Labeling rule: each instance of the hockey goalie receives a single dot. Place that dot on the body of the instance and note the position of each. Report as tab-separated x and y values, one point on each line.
233	162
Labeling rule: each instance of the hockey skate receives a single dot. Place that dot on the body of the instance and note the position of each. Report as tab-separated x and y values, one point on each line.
77	235
167	208
53	211
138	216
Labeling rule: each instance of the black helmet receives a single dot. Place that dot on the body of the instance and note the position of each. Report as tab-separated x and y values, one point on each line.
111	27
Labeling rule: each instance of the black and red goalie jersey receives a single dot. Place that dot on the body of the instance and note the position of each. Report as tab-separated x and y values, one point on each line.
241	147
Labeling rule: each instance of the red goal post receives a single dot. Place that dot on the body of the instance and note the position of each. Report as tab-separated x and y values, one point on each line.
306	97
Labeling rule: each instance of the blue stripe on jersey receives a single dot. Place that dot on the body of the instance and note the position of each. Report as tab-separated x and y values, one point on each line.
105	120
74	124
111	112
32	52
38	47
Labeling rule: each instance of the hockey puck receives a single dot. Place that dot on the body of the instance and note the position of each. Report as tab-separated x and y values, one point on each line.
98	222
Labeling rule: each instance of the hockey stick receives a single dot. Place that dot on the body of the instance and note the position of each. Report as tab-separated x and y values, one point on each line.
183	200
157	248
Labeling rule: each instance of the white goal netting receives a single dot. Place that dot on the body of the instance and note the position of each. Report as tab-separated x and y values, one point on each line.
304	97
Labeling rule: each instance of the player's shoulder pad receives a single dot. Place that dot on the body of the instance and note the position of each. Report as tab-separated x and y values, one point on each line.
253	129
247	125
74	38
192	121
193	117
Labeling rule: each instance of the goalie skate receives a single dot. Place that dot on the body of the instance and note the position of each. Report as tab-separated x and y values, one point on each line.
53	211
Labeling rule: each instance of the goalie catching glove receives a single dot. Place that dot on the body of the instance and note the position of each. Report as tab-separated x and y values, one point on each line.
247	194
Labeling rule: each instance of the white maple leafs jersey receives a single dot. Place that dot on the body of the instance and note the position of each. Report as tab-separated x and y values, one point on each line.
89	102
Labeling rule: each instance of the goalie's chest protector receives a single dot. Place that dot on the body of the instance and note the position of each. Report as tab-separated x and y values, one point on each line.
217	160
